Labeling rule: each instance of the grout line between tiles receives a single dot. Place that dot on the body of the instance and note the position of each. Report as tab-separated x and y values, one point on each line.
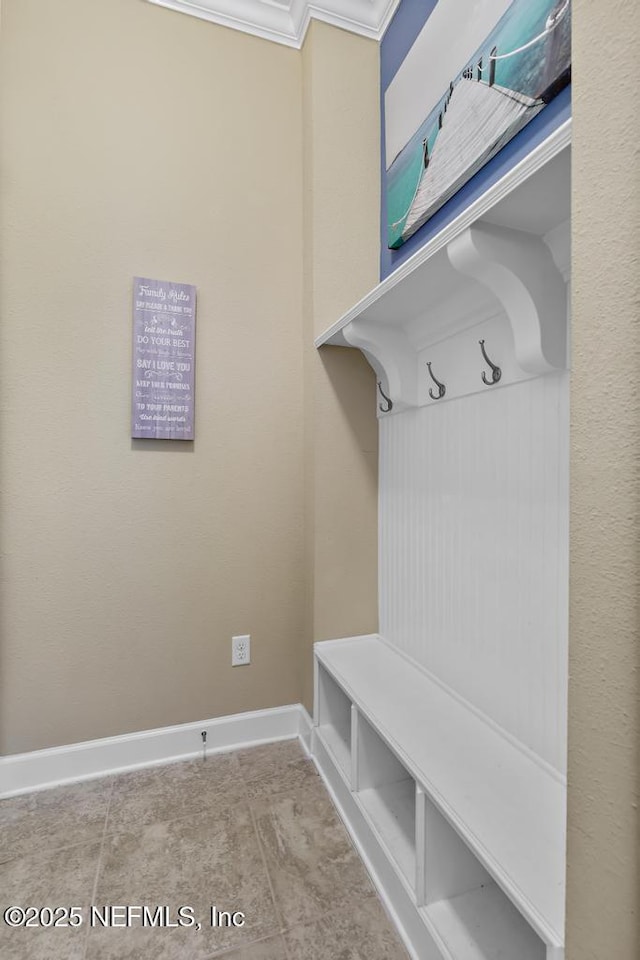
276	907
55	846
136	825
303	789
285	946
278	935
98	865
282	926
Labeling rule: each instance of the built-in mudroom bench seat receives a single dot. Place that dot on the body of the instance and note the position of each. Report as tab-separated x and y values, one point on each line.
443	738
462	826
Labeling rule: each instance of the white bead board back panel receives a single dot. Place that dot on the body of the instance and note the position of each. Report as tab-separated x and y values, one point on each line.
473	562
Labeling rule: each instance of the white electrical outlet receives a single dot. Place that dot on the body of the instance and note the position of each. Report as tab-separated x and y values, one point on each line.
240	651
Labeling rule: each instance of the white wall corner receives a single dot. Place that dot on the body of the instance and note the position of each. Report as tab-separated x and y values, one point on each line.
558	241
305	728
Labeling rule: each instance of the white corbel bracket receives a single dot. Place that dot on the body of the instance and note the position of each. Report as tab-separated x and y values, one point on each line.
392	357
519	270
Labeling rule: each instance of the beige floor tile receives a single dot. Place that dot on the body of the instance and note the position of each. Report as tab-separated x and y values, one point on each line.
312	864
361	932
276	768
258	762
51	819
176	790
301	775
211	858
184	835
60	878
271	949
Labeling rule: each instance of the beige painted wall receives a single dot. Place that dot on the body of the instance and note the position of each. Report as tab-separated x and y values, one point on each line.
341	229
139	141
136	140
603	897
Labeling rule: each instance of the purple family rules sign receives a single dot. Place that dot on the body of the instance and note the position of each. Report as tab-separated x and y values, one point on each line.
164	329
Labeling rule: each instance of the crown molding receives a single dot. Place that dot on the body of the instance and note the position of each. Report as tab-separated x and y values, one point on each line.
286	21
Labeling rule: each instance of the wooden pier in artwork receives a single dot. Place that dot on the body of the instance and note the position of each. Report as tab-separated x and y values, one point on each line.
478	119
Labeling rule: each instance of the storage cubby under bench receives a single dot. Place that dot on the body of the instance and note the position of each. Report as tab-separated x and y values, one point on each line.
463	827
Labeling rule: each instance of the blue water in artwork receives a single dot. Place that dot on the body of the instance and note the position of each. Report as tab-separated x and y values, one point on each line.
525	72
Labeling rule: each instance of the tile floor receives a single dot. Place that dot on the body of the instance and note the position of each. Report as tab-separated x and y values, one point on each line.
251	831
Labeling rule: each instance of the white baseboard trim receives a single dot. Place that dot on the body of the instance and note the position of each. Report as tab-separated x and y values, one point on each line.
41	769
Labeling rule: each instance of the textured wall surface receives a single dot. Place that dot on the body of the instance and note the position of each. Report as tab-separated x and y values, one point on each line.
603	894
341	191
136	140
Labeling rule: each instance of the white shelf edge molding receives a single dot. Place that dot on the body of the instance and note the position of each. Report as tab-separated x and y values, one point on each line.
519	270
287	22
494	269
558	141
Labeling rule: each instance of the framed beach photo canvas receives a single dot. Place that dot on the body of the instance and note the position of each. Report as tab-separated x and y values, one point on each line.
477	73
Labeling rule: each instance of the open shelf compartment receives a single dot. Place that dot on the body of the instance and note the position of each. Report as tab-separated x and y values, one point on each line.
334	720
509	810
460	901
387	795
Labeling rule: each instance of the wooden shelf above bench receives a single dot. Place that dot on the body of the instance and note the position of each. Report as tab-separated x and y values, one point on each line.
496	274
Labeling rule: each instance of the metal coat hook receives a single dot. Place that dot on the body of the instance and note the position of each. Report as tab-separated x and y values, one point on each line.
441	387
496	372
389	402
